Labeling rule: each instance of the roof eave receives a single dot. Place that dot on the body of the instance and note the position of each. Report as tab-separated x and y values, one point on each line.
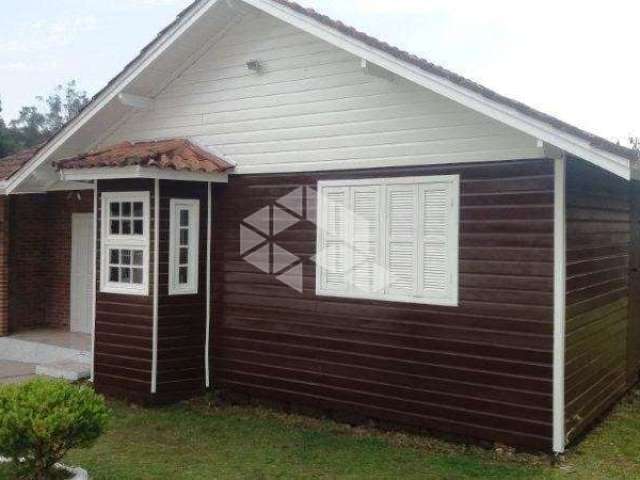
137	171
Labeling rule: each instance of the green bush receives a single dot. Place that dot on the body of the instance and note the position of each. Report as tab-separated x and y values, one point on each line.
43	419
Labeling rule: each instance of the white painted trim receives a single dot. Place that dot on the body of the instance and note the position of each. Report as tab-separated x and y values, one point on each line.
381	291
111	91
136	171
136	242
464	96
156	288
559	304
193	207
95	278
207	373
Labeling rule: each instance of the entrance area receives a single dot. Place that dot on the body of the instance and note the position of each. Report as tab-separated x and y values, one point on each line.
50	286
51	262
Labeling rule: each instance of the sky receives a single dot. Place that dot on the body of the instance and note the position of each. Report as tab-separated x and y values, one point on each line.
576	59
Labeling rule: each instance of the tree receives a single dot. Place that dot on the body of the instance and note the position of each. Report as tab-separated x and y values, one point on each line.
41	420
37	123
8	143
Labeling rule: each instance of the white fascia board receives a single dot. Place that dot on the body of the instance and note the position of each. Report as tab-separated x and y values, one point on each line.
559	305
502	113
115	173
111	92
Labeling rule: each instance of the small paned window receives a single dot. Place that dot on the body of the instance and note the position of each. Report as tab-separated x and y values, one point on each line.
125	242
183	248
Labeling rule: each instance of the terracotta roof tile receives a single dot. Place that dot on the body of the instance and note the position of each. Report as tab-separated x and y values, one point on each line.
12	163
176	154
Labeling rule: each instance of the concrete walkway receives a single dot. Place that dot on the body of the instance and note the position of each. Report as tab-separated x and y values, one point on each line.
12	372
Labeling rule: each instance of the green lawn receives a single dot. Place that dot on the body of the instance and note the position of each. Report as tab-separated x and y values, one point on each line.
200	442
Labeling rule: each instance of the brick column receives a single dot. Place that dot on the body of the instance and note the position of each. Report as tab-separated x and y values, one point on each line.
4	265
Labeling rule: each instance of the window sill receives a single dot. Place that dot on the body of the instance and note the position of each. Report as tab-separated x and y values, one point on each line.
139	292
444	302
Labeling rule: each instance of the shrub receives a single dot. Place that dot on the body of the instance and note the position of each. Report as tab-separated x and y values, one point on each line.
43	419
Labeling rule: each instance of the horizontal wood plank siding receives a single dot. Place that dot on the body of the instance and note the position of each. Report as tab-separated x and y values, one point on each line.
482	369
181	318
124	323
313	108
598	248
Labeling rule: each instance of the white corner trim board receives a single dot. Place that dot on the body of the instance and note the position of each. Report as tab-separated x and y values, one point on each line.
95	278
559	303
208	292
156	276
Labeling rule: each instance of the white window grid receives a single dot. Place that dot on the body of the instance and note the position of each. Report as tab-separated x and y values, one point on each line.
125	237
184	225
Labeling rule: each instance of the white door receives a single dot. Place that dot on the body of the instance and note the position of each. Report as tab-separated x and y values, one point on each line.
82	259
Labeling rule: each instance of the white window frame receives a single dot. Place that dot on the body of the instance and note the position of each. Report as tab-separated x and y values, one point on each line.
193	206
381	183
118	241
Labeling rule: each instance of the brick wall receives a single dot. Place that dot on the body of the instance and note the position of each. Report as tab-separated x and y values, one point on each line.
40	257
4	266
27	261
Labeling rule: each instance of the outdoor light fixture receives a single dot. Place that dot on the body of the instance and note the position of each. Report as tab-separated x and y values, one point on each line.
254	66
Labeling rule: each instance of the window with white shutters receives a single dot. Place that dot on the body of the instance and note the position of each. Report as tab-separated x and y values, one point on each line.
393	239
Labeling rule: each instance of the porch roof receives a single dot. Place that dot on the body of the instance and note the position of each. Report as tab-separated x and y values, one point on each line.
180	155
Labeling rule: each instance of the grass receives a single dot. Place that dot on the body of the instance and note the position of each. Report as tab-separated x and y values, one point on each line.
198	441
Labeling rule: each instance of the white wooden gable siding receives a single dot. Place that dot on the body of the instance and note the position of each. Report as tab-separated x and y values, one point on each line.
313	108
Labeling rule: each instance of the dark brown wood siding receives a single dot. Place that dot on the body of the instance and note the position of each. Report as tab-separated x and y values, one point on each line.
598	247
482	369
124	323
181	318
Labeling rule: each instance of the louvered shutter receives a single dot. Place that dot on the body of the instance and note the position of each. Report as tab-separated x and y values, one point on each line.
438	241
333	255
401	243
365	239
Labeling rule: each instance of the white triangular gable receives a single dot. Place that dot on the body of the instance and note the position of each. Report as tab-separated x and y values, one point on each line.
312	107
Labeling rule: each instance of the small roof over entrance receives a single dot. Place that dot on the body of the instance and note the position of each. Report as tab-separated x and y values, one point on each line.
176	158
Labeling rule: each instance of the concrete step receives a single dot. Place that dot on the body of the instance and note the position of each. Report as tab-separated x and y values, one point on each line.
67	369
32	351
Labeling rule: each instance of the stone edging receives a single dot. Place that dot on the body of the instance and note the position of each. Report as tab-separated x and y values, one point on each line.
78	473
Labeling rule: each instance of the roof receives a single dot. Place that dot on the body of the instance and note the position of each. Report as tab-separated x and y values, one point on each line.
14	162
593	140
176	154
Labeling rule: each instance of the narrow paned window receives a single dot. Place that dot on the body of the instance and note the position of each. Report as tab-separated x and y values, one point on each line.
183	246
